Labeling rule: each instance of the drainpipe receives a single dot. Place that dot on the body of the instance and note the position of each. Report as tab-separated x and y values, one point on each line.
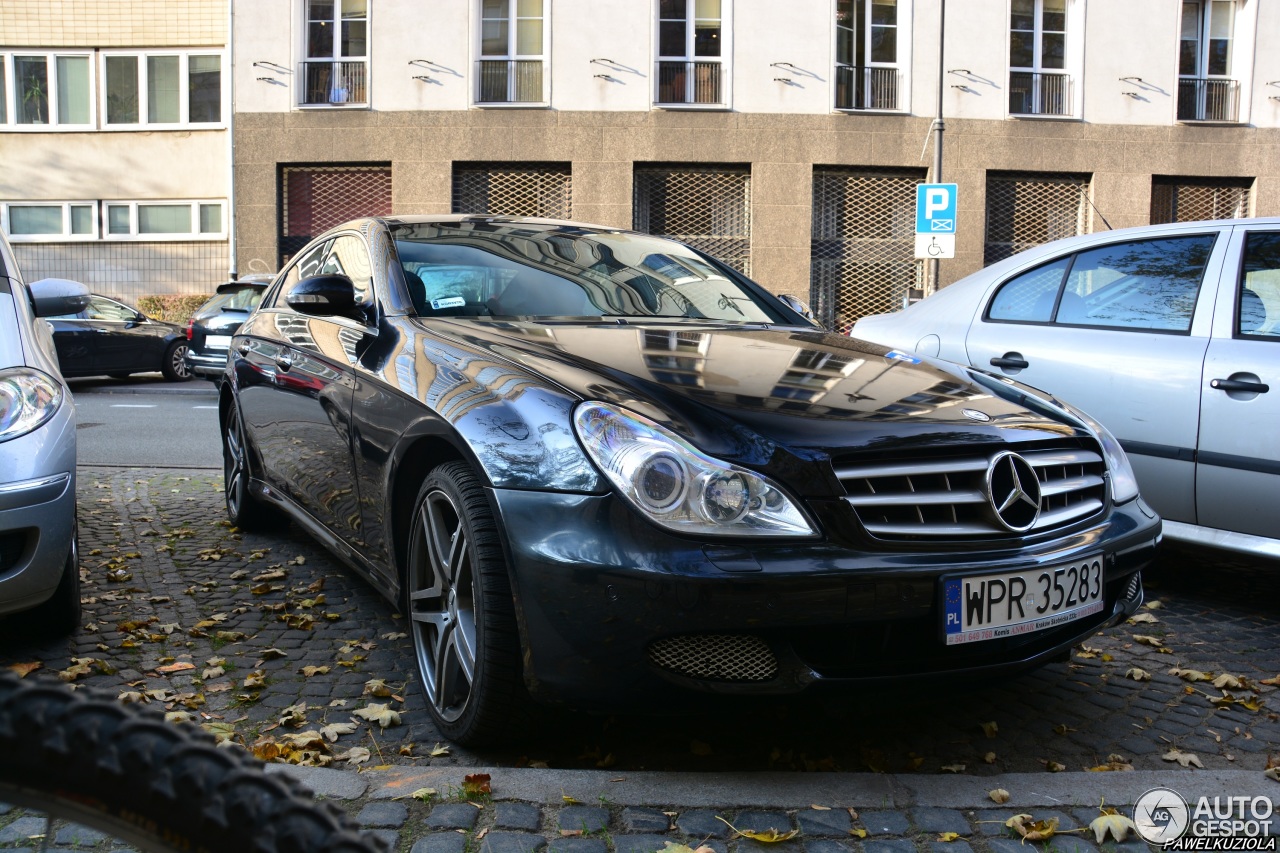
232	272
938	127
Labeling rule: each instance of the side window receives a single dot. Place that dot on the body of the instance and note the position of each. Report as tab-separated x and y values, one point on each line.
105	309
350	258
307	264
1258	301
1142	285
1029	298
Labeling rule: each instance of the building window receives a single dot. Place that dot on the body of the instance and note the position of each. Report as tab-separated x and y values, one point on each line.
1025	209
691	52
336	71
868	73
513	48
513	189
1038	81
41	89
1184	199
317	198
49	221
165	220
161	89
862	256
1206	90
708	207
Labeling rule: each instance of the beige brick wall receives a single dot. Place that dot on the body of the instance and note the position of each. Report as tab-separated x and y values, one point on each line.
113	23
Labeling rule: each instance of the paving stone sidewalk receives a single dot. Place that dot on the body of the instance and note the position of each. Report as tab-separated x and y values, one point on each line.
263	636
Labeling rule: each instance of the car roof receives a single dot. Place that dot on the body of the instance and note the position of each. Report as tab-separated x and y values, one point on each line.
464	218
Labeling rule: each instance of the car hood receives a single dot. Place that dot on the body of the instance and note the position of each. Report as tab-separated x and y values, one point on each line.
738	392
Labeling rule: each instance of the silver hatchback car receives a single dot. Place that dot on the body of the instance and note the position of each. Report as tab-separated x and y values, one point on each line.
1167	334
39	569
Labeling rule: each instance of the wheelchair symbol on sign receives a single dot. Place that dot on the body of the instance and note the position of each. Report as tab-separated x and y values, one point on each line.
934	249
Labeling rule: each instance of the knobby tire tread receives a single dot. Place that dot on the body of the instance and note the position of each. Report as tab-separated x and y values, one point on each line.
163	786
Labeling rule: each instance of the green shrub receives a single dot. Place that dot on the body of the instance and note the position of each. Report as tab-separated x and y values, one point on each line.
171	307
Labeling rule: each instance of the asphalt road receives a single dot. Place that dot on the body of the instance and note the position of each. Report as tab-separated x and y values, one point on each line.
147	423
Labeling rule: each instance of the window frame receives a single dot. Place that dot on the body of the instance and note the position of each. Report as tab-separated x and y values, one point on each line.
334	57
184	90
512	55
1072	69
724	60
65	236
862	31
1240	285
136	236
9	109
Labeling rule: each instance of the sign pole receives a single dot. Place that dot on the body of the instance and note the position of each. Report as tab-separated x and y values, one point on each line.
938	127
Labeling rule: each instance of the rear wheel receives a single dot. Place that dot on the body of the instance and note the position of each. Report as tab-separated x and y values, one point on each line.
243	509
174	367
459	600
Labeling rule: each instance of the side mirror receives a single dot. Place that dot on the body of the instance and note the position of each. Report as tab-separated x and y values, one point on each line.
800	307
53	297
323	296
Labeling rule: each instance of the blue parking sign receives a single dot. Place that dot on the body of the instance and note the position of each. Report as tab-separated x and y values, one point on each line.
936	208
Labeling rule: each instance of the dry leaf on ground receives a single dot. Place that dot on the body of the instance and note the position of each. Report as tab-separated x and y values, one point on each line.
999	796
1111	823
1186	759
767	836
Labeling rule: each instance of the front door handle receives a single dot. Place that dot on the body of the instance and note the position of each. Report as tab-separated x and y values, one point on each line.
1011	360
284	361
1239	385
244	347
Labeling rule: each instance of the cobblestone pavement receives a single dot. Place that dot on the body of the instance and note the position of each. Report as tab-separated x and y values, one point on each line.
264	637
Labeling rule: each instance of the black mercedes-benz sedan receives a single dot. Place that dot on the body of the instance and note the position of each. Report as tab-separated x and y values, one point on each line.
593	465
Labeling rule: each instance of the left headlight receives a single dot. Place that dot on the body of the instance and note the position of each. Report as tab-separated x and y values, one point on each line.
28	398
1124	483
678	486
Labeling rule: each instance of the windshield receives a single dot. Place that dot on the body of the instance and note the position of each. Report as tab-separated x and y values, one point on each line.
485	269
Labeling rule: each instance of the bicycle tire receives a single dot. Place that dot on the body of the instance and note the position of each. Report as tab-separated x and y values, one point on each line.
123	770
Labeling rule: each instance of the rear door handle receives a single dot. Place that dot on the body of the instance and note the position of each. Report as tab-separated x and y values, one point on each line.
1239	385
1011	360
284	361
244	347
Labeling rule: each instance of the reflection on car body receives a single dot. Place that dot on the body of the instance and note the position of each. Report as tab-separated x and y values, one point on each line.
1168	334
592	464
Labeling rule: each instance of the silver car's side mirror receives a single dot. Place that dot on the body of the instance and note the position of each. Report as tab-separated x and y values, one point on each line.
53	297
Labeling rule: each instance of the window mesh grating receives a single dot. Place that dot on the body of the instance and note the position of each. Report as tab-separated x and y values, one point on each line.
1025	209
514	189
316	198
708	207
863	248
1179	199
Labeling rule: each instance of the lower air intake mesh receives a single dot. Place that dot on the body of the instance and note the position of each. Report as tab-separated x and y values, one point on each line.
719	657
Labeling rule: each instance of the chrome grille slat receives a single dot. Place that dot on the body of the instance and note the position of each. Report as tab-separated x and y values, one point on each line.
947	498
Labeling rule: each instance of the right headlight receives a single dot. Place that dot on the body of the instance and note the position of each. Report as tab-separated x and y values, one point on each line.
1124	483
28	398
678	486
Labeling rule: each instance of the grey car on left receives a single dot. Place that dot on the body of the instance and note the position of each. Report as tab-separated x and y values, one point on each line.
38	555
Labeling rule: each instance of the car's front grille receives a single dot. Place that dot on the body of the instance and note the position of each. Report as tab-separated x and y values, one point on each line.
716	657
947	497
12	544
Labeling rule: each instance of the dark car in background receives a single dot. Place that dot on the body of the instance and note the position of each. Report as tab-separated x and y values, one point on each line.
594	466
209	330
111	338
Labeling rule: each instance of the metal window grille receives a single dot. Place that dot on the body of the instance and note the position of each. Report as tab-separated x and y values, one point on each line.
316	198
1039	93
1025	209
1182	199
690	82
1208	99
509	81
339	82
514	189
867	88
863	247
708	207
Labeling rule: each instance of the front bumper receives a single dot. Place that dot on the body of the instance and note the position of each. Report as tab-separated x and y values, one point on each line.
612	608
37	524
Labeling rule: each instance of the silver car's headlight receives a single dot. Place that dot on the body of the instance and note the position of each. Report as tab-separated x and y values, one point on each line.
1124	483
28	398
678	486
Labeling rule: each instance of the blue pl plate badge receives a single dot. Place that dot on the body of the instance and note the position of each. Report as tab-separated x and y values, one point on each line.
896	355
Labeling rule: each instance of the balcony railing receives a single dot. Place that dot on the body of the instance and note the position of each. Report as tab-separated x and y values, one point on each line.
1208	99
690	83
509	81
866	88
343	82
1039	93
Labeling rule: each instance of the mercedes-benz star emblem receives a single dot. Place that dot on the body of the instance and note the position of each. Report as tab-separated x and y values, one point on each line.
1014	491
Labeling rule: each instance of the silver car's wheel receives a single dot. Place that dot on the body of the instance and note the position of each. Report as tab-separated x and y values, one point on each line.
460	606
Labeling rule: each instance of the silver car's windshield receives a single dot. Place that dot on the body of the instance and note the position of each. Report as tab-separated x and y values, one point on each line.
477	268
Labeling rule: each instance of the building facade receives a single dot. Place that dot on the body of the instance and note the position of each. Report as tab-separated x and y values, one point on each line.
785	138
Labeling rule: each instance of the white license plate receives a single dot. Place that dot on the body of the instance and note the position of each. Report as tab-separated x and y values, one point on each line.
217	341
985	607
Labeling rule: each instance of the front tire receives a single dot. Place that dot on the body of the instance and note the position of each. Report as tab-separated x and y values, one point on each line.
458	598
243	509
174	367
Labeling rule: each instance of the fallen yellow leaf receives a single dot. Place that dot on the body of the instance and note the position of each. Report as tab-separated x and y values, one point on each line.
767	836
990	729
1116	825
999	796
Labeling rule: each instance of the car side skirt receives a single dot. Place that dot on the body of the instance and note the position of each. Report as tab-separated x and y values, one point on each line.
1242	543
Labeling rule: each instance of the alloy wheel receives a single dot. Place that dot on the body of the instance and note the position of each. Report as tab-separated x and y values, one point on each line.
442	604
178	362
233	464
